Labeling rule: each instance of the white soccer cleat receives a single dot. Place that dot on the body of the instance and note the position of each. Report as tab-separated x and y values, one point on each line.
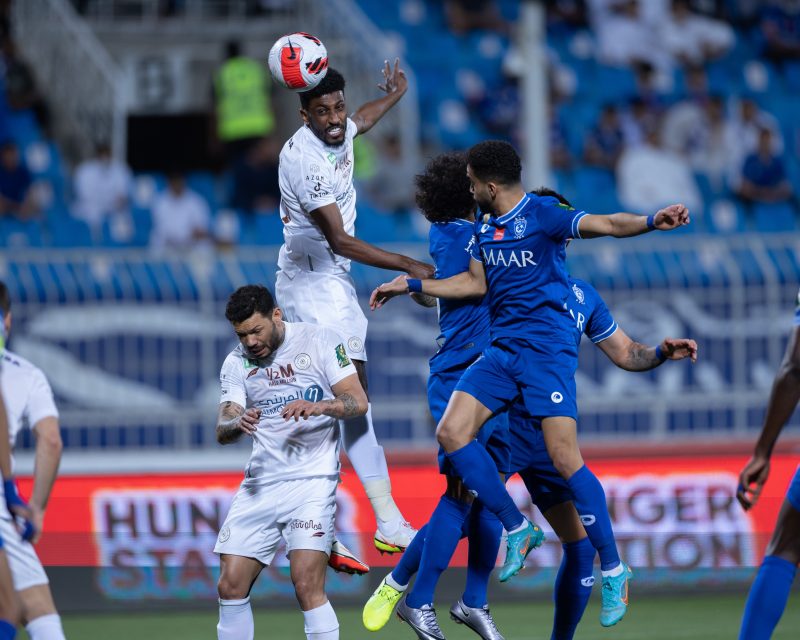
344	561
396	539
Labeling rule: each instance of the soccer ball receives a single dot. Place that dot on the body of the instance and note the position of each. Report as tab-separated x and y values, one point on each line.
298	61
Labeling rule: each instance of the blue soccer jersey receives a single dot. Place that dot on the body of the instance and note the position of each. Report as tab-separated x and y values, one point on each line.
589	312
464	324
523	256
797	310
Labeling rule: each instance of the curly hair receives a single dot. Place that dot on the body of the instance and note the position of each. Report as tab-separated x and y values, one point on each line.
247	300
495	161
545	191
333	81
443	188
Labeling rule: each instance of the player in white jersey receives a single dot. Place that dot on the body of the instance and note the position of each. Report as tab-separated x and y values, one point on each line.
287	386
318	208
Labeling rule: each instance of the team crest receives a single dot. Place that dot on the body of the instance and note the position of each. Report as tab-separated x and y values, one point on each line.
519	227
355	344
331	157
250	363
224	534
578	293
341	356
302	361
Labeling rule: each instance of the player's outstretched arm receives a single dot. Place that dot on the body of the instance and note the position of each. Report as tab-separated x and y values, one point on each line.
468	284
783	399
233	421
349	401
625	225
329	220
633	356
394	85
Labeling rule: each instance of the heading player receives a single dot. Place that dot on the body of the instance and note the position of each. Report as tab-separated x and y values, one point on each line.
318	208
770	590
518	258
286	386
29	402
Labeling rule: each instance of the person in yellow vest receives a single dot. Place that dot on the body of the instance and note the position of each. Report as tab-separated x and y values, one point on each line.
243	109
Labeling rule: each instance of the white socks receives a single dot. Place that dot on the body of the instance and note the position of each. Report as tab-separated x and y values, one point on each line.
321	623
394	584
613	573
235	620
45	628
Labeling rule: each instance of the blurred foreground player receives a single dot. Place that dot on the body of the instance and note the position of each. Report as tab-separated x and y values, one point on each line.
29	402
318	209
770	590
286	386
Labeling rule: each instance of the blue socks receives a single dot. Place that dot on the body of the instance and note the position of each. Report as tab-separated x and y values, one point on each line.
441	540
7	630
409	561
590	501
767	598
478	471
485	531
573	588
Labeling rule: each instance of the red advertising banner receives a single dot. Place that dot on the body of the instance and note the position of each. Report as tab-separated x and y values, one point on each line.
669	513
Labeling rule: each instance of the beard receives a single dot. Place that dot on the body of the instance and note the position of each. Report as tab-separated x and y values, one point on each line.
322	134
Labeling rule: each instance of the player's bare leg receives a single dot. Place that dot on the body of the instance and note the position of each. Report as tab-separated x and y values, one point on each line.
561	438
236	577
39	614
307	569
9	604
394	533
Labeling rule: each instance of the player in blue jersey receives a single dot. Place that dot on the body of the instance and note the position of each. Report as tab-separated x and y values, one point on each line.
518	258
770	590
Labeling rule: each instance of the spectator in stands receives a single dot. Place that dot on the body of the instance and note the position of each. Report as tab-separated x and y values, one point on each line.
712	155
390	188
625	38
243	110
743	132
464	16
764	177
685	123
638	121
20	85
603	144
17	198
255	178
102	188
691	38
780	26
181	218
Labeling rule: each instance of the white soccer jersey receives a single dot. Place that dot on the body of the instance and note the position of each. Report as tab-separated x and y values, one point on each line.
27	395
313	174
309	362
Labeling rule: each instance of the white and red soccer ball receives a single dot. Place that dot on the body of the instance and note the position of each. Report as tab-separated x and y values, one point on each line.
298	61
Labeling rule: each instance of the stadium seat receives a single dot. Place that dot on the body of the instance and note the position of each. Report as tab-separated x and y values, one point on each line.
204	183
725	216
20	234
775	217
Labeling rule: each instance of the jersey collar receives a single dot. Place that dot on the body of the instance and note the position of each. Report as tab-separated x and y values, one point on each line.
517	208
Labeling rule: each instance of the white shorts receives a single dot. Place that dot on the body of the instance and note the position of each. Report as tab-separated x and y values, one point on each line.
26	568
301	511
326	299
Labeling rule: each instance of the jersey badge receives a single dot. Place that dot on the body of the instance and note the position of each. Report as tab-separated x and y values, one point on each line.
484	228
519	227
302	361
565	206
578	293
331	157
250	364
341	356
499	233
355	344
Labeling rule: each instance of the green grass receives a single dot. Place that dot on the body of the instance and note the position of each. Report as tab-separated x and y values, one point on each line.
652	617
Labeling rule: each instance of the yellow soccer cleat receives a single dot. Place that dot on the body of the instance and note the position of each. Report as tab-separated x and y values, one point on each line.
380	606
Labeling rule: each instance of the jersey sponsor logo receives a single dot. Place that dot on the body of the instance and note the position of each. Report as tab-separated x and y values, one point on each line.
499	233
305	525
587	582
280	375
275	404
251	373
588	520
314	168
302	361
470	244
355	344
580	320
556	397
484	228
341	356
313	393
520	224
508	258
578	293
224	534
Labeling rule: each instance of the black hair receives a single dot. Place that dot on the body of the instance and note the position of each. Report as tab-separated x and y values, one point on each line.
247	300
544	191
443	188
495	161
332	82
232	49
5	299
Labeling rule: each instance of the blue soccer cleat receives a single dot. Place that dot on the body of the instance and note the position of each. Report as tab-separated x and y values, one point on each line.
518	546
615	597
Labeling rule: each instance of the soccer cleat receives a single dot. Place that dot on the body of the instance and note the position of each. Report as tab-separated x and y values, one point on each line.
397	541
615	597
479	619
518	546
343	560
380	605
423	621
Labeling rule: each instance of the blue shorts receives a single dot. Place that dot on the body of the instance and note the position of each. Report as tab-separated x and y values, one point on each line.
793	493
530	459
541	374
493	435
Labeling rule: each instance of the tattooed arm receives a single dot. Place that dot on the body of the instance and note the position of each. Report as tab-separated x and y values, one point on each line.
350	401
634	356
233	421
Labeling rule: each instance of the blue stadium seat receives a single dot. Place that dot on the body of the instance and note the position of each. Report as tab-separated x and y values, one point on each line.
23	127
775	217
725	216
204	183
66	231
19	234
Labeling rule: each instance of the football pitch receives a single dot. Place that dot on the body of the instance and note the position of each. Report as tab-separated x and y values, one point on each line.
709	617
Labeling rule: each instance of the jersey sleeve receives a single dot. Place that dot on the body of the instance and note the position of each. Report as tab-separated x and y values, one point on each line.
231	381
559	221
473	249
601	323
40	403
313	182
336	364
